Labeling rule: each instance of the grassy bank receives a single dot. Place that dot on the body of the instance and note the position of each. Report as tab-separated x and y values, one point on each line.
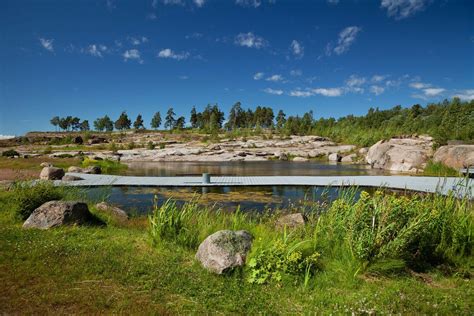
379	254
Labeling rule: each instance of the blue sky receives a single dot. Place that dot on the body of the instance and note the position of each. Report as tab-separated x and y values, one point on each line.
91	58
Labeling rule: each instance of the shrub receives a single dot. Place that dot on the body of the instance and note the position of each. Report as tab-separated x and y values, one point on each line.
131	146
150	145
162	145
10	153
107	166
28	196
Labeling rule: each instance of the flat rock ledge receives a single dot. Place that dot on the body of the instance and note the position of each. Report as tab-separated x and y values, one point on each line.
224	250
58	213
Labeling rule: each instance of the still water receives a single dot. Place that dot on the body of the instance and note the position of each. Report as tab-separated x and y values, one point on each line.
140	200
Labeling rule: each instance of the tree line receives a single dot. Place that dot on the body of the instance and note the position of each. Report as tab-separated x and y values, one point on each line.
450	119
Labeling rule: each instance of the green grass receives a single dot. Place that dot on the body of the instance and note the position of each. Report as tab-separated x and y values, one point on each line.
124	269
107	166
437	169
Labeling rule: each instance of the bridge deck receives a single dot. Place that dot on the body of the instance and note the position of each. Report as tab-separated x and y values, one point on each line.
461	186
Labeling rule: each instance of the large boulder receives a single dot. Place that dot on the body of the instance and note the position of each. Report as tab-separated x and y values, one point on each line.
335	157
113	211
224	250
455	156
291	220
57	213
51	173
401	154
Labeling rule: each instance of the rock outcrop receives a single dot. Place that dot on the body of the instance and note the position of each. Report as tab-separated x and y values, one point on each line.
57	213
224	250
401	154
455	156
51	173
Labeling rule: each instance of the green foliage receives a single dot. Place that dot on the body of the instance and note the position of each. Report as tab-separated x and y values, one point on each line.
286	256
10	153
104	123
28	196
138	124
438	169
162	145
123	122
107	166
156	120
150	145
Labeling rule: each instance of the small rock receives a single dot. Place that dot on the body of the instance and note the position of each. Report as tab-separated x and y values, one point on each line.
335	157
45	164
349	158
51	173
224	250
92	170
74	169
57	213
69	177
363	151
114	211
300	159
78	140
291	220
283	157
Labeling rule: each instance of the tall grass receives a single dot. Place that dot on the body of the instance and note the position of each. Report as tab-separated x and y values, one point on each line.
378	233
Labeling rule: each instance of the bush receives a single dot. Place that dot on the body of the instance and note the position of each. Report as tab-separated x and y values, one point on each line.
10	153
107	166
150	145
28	196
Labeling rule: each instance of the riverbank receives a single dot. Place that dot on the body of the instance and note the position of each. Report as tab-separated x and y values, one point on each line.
118	268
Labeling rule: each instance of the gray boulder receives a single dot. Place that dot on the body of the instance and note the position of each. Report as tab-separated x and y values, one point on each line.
51	173
291	220
111	210
92	170
455	156
349	158
57	213
335	157
224	250
69	177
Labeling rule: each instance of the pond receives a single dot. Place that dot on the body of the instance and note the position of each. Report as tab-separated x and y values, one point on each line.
141	200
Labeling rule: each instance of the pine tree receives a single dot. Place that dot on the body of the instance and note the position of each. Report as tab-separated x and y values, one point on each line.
194	118
281	119
156	120
169	119
123	122
55	121
138	124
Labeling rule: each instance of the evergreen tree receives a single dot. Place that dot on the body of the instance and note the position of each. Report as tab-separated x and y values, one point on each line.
170	121
123	122
104	123
281	119
84	126
180	122
55	121
138	124
194	118
156	120
236	117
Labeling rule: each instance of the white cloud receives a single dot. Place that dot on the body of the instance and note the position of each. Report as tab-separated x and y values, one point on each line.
297	49
199	3
250	40
401	9
273	91
152	16
47	44
346	38
419	85
300	93
466	95
249	3
432	92
132	54
377	90
378	78
275	78
296	73
137	40
258	76
168	53
195	35
173	2
333	1
329	92
355	81
96	50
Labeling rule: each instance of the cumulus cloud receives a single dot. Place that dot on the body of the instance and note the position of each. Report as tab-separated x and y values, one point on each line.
250	40
96	50
194	35
273	91
132	54
432	92
300	93
346	38
466	95
427	90
275	78
47	44
297	49
168	53
355	81
377	90
329	92
249	3
401	9
378	78
296	72
258	76
173	2
137	40
419	85
199	3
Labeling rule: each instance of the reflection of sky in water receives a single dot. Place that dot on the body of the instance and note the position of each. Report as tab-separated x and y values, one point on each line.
140	200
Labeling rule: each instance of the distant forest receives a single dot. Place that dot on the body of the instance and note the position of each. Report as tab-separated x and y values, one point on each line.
447	120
